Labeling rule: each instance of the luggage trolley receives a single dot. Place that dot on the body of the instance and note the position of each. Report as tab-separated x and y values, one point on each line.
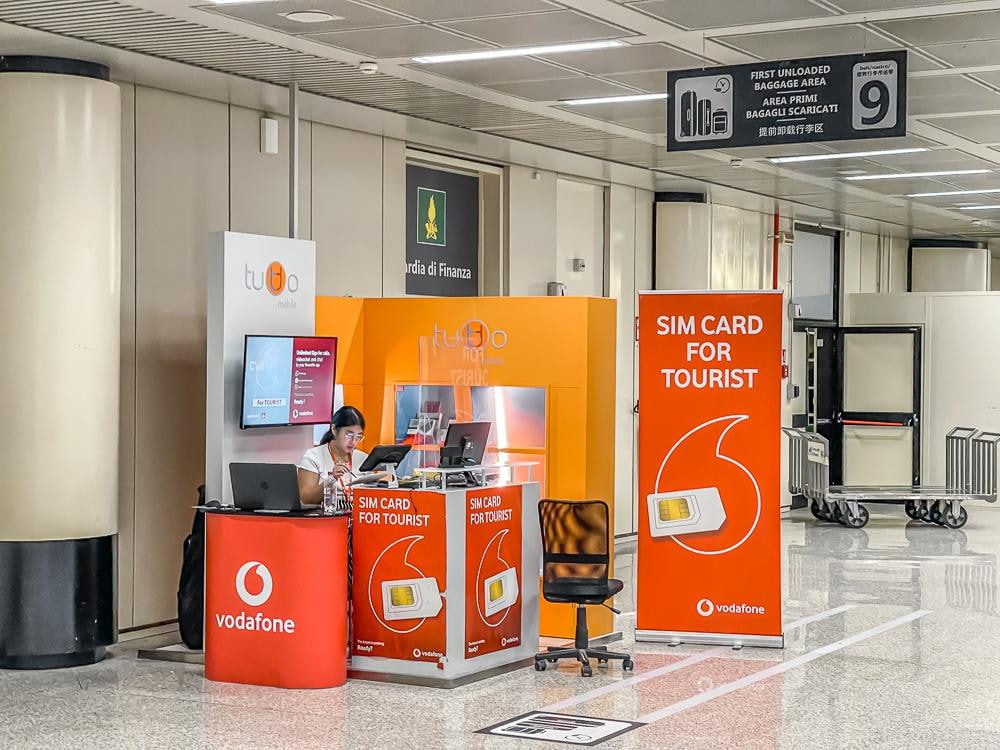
970	474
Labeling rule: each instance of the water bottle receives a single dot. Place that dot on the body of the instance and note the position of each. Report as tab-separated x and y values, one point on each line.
328	507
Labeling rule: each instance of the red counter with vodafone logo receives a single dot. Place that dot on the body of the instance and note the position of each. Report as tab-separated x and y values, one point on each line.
445	589
276	599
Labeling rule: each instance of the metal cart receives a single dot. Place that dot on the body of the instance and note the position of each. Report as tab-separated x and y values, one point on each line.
970	474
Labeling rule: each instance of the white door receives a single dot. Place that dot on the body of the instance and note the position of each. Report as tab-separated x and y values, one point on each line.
580	237
880	387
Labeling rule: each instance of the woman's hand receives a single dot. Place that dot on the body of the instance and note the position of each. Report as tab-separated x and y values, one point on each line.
339	470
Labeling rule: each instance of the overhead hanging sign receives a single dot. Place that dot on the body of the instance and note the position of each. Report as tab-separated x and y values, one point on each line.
709	467
838	98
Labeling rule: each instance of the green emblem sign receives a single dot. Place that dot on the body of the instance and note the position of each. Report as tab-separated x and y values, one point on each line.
431	212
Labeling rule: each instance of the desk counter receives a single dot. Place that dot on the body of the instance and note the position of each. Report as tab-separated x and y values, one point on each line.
445	582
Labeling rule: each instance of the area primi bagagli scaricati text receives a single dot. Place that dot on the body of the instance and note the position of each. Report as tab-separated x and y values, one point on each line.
701	354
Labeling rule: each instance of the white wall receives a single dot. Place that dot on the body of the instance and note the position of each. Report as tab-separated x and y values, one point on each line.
950	269
580	236
961	356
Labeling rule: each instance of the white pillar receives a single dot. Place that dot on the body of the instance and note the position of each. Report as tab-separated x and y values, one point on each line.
60	251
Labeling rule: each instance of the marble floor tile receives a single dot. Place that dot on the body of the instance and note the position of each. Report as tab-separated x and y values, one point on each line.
929	683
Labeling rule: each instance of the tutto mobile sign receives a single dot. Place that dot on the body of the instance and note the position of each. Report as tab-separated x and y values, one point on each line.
839	98
399	565
493	570
709	467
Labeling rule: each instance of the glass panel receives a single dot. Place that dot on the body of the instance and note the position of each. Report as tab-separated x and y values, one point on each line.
813	275
878	372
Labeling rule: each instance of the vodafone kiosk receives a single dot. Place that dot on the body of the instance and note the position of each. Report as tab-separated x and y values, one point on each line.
445	581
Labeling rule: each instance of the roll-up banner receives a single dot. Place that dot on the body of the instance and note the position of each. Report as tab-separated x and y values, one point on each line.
709	565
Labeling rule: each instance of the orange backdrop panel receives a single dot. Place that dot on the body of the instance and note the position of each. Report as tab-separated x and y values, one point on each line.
563	344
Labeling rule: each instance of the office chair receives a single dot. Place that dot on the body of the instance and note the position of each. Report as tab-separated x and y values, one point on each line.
575	561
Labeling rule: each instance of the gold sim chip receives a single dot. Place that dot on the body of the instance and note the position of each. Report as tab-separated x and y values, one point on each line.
673	509
401	596
496	590
685	511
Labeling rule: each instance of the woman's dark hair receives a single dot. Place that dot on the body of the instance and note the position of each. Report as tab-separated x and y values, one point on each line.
345	416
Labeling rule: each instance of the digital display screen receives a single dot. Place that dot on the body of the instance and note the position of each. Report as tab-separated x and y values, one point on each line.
288	380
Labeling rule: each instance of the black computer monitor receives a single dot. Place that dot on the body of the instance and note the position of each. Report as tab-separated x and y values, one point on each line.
465	444
384	454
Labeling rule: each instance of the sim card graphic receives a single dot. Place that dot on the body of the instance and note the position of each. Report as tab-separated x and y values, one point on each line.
501	591
410	599
685	512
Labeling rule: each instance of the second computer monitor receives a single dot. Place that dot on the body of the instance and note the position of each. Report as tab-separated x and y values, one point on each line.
465	444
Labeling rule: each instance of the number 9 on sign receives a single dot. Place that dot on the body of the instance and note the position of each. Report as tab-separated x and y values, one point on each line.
875	100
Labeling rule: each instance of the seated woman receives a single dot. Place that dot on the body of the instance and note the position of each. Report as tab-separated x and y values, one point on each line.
336	454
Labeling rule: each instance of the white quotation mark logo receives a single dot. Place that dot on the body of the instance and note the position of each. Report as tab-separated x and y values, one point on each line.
416	653
254	600
705	607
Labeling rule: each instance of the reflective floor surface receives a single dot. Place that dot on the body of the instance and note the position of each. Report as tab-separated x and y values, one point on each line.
893	642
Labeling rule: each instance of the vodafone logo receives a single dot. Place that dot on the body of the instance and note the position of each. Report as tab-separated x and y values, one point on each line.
707	608
254	600
258	622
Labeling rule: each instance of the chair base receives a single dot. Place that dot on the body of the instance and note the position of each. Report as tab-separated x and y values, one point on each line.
582	651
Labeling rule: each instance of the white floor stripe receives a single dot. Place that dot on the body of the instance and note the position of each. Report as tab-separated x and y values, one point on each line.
764	674
628	682
818	616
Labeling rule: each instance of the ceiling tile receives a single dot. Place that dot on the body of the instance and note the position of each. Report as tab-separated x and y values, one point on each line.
763	152
504	70
563	88
944	158
960	27
947	94
653	125
979	128
450	10
826	40
636	57
699	14
861	6
268	14
960	54
400	41
539	28
622	110
879	144
653	81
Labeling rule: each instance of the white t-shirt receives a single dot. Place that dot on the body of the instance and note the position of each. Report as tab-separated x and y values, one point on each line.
319	461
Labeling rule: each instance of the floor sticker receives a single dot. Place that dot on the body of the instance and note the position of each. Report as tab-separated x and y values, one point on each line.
585	731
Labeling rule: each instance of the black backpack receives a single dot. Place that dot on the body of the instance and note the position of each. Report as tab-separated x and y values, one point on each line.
191	589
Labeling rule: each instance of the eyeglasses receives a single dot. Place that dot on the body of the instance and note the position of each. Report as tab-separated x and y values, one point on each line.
355	436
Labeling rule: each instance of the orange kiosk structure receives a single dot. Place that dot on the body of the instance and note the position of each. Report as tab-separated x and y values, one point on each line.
541	369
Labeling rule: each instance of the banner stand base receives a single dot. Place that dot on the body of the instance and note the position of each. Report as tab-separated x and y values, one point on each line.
711	639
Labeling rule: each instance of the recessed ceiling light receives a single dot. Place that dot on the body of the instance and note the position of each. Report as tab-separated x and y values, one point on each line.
236	2
850	155
905	175
953	192
615	99
311	16
852	171
977	208
492	54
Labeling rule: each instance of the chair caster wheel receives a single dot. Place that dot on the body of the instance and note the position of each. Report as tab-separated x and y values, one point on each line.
587	671
540	666
628	665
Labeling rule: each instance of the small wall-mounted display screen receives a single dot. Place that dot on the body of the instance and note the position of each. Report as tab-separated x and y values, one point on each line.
288	380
